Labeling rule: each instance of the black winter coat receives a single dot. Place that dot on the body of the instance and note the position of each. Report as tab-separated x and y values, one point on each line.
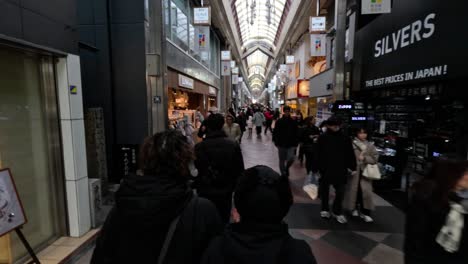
335	156
252	244
424	220
220	163
286	133
136	227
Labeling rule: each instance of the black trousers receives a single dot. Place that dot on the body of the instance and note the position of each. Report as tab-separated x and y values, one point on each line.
259	130
325	197
268	124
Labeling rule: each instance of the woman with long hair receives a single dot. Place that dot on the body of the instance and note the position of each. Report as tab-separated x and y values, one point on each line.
437	217
157	217
359	190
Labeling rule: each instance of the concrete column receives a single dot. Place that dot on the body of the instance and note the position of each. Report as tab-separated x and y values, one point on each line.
340	48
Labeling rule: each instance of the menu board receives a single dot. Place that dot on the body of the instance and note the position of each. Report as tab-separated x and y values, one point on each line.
11	210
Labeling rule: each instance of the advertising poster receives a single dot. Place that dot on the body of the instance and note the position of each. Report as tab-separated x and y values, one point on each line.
225	68
11	210
318	44
202	40
376	7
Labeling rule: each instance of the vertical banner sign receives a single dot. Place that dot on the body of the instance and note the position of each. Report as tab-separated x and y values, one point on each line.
235	79
202	41
225	68
202	16
376	7
318	45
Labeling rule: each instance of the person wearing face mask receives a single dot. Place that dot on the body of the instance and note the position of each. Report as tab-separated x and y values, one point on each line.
437	218
336	160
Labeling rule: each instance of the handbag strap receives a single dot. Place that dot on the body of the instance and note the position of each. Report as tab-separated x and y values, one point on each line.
170	234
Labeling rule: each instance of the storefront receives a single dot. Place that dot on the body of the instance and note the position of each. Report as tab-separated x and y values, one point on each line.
410	74
187	95
30	147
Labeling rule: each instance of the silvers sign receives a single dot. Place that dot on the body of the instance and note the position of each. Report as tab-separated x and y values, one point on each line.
415	43
409	35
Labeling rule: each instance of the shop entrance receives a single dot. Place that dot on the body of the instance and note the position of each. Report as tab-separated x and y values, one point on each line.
30	147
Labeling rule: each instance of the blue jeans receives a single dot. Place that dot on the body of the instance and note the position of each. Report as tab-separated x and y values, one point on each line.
286	159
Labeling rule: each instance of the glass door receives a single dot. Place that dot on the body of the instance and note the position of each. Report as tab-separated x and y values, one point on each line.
30	144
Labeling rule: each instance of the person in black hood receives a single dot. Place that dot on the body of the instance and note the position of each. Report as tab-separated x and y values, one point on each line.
263	199
219	162
158	210
336	160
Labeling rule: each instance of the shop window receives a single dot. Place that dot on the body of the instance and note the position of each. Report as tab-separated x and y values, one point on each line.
179	26
26	143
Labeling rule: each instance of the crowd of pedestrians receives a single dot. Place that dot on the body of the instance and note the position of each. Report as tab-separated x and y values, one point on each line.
196	203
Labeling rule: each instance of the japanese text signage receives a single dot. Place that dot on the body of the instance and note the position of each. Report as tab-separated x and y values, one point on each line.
226	55
318	24
202	16
186	82
376	6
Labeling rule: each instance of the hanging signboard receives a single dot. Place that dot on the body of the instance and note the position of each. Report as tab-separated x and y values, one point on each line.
11	210
317	24
290	59
186	82
284	68
235	70
226	55
225	68
202	41
233	64
376	7
241	79
318	45
202	16
235	79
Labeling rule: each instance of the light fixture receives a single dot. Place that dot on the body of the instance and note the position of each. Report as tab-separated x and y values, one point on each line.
428	97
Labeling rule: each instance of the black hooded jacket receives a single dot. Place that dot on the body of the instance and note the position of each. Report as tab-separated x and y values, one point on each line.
335	155
269	244
136	228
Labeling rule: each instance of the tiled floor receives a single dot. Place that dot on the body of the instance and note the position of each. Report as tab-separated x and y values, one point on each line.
356	242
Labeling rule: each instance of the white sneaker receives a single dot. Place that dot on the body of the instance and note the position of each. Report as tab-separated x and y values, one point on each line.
341	219
367	219
311	190
355	213
325	214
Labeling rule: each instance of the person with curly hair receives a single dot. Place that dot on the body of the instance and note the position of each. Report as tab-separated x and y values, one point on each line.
262	198
157	217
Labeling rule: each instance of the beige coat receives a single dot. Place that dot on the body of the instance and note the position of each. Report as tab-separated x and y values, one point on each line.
371	156
233	132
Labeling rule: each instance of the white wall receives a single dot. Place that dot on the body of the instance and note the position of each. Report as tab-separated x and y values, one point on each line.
318	83
74	147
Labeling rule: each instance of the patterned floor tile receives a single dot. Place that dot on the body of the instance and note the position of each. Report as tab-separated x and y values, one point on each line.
327	254
395	241
349	242
377	237
383	254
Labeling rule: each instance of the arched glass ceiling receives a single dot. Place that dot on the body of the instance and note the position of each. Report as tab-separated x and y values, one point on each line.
258	22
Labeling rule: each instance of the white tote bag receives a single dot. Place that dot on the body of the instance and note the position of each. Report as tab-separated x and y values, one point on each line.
372	172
